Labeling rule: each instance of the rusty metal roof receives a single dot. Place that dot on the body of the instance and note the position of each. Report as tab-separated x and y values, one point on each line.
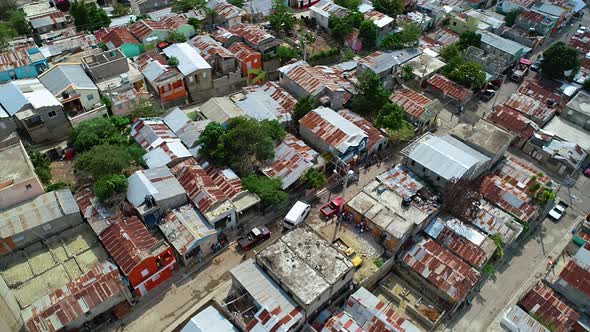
333	128
315	80
268	101
129	242
150	133
254	34
581	42
449	87
68	304
15	58
532	108
375	135
544	90
96	214
292	159
143	28
184	228
441	268
243	52
117	36
576	273
173	22
533	16
209	48
544	303
227	10
413	102
459	245
513	121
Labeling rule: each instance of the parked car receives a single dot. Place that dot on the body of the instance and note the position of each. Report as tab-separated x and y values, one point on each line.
331	208
486	95
521	70
354	257
296	215
537	65
558	211
254	237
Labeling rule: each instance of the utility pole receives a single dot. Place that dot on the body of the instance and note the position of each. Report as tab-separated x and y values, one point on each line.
337	225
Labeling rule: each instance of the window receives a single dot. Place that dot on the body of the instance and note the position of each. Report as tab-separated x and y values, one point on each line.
28	187
455	23
90	97
204	75
52	114
191	79
33	121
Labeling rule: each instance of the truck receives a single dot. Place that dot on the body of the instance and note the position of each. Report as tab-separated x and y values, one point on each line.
331	208
254	237
354	257
520	71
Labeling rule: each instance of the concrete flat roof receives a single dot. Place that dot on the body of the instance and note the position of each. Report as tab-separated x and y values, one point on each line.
569	132
483	134
15	164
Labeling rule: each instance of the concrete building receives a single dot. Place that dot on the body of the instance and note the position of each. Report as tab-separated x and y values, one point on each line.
142	7
308	268
578	110
394	206
486	138
21	62
512	5
220	110
120	37
105	64
35	110
569	132
322	83
438	39
18	180
514	122
496	53
33	221
165	81
533	20
444	159
149	32
385	24
555	154
192	237
46	21
154	191
196	71
322	11
421	111
250	61
386	64
425	66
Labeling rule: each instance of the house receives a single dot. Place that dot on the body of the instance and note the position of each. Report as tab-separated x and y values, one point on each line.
149	32
573	280
142	7
35	110
461	23
105	64
376	138
463	240
209	319
227	14
18	179
534	21
558	14
549	307
569	132
531	107
249	60
196	71
217	193
71	44
222	60
322	11
445	159
581	42
145	261
160	14
514	122
266	102
97	292
394	206
292	158
188	131
577	110
555	154
423	21
75	90
513	187
515	320
421	111
96	214
178	24
386	64
384	23
328	131
120	37
322	83
163	147
274	308
192	237
258	9
438	39
494	22
154	191
21	62
253	35
512	5
308	268
48	214
220	110
485	137
165	81
425	66
440	271
496	53
492	220
448	90
548	92
45	21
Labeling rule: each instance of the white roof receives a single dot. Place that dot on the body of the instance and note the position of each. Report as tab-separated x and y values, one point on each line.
383	21
355	134
158	182
189	59
209	320
153	70
176	119
16	94
296	211
159	157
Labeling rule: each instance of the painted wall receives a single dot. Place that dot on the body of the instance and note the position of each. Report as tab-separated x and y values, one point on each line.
152	271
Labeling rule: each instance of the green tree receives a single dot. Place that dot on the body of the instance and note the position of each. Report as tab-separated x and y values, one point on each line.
286	53
341	27
91	133
182	6
469	74
368	33
106	101
303	106
499	245
469	38
111	185
176	37
173	62
195	23
42	165
18	22
56	186
450	52
489	269
88	16
269	190
212	143
121	10
6	6
392	8
391	117
407	37
237	3
559	58
146	109
407	72
371	95
511	17
282	18
314	178
103	160
6	35
350	4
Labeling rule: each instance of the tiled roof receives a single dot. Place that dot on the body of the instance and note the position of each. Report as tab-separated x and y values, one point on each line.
291	160
513	121
333	128
70	303
143	28
546	304
243	52
448	87
315	80
209	48
532	108
413	102
129	243
441	268
173	22
117	36
375	135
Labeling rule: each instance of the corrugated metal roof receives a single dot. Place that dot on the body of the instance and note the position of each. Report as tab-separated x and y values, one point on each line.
576	273
243	52
51	18
117	36
532	108
267	102
505	45
381	61
513	121
375	136
158	182
70	303
328	8
96	214
516	319
227	10
493	220
448	87
17	94
291	160
413	102
209	48
142	28
220	110
188	131
151	133
379	19
333	128
184	228
166	154
315	80
43	209
546	304
441	268
446	156
56	79
401	180
129	243
209	320
254	34
174	22
544	90
18	57
189	59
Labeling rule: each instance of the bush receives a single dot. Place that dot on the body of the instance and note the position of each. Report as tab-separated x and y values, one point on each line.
44	174
57	186
269	190
103	160
489	269
91	133
285	53
42	165
378	262
324	54
314	178
110	185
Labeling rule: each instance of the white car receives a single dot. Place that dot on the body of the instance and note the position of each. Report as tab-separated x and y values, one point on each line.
558	211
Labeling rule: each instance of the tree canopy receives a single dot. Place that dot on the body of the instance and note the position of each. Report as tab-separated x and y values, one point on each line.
341	27
18	22
303	106
88	16
371	95
368	33
91	133
111	185
103	160
282	18
350	4
392	8
559	58
511	17
121	10
314	178
145	108
407	37
450	51
269	190
237	3
469	74
6	35
469	38
391	117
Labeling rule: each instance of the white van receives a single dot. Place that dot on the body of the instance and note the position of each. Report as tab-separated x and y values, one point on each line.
296	215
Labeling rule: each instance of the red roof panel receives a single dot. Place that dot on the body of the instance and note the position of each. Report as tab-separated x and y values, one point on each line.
546	304
448	87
